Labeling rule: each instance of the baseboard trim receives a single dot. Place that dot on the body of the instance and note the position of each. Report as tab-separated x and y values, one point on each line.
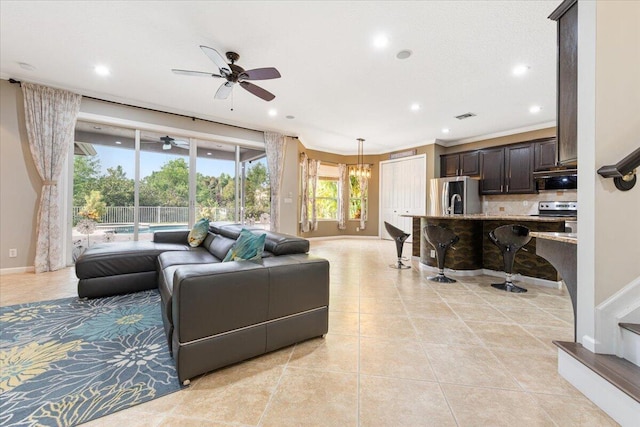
617	404
17	270
483	271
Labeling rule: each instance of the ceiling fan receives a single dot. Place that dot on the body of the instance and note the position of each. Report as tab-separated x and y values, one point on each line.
234	74
168	142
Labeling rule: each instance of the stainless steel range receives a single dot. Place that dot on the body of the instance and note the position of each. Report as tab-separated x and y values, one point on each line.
561	209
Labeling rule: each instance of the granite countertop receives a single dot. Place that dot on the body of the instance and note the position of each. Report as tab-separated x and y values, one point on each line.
502	217
559	237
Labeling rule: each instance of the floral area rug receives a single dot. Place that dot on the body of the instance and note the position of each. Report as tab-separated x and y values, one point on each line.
68	361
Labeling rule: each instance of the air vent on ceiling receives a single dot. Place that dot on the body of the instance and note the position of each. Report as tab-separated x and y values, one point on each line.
465	116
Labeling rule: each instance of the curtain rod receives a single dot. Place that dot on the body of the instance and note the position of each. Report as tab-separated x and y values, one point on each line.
193	118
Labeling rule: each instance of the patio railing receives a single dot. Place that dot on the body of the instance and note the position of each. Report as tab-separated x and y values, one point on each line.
157	214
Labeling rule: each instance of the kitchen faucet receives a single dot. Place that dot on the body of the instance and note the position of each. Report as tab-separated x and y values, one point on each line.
452	203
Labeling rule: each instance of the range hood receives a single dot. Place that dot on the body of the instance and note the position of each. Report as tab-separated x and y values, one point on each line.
555	173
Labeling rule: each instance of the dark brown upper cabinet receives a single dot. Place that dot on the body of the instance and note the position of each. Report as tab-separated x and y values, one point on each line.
492	171
567	93
460	164
507	170
519	161
545	154
449	165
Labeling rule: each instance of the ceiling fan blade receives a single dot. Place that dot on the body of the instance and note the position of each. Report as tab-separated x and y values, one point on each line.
217	59
258	91
181	144
195	73
224	90
260	74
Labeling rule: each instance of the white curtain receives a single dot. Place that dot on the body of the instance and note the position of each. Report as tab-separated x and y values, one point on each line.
364	190
304	189
343	196
314	166
275	147
50	116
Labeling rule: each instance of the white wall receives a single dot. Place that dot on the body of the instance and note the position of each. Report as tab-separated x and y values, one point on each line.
289	191
608	130
19	183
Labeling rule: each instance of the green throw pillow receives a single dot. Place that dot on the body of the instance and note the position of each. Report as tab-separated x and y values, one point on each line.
249	246
199	232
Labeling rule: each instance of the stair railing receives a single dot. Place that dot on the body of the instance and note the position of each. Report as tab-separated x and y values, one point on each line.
623	172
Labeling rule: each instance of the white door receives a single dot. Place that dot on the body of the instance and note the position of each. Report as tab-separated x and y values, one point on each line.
403	191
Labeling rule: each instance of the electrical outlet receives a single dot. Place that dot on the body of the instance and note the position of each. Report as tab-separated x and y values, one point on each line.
432	253
13	253
357	228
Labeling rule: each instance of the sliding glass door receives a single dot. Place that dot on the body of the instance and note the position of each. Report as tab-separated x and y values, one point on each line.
103	185
216	182
163	184
129	183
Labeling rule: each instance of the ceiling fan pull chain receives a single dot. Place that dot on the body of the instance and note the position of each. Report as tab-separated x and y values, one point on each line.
231	101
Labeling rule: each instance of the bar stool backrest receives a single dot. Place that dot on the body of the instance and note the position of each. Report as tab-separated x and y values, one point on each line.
437	235
510	237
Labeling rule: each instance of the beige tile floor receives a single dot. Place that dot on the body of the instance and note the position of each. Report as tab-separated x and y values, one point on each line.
401	351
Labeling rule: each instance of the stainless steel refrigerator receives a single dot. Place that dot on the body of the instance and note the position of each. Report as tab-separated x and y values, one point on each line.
456	195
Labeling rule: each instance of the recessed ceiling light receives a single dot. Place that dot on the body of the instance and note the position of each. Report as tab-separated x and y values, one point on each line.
290	117
535	109
380	41
208	154
520	70
101	70
415	106
273	112
445	130
26	66
118	142
404	54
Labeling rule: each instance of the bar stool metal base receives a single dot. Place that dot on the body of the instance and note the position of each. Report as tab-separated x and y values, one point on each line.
399	265
441	278
509	287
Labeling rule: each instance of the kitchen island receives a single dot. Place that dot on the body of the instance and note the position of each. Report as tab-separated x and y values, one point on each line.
475	251
561	250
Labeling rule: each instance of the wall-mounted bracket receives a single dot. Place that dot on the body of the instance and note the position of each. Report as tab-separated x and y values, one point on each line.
623	172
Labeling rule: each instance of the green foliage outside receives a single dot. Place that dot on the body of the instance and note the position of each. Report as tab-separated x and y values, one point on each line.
169	186
94	206
326	199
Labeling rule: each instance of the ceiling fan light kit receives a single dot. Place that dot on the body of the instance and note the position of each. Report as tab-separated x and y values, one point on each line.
234	74
168	143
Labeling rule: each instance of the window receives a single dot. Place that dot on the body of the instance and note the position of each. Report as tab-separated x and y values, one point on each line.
168	194
355	199
326	193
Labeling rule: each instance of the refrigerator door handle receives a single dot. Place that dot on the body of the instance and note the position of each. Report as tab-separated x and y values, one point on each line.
445	199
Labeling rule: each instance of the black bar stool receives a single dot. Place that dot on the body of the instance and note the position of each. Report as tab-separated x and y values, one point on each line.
399	236
509	238
440	238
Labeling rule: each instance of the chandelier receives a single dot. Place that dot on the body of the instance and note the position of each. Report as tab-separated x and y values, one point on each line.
361	169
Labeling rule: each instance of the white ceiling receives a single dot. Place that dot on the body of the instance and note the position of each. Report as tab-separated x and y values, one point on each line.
336	84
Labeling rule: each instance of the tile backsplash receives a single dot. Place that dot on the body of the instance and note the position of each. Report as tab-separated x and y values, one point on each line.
524	204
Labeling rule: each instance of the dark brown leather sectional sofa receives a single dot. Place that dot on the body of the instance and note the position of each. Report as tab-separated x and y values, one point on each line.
216	313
